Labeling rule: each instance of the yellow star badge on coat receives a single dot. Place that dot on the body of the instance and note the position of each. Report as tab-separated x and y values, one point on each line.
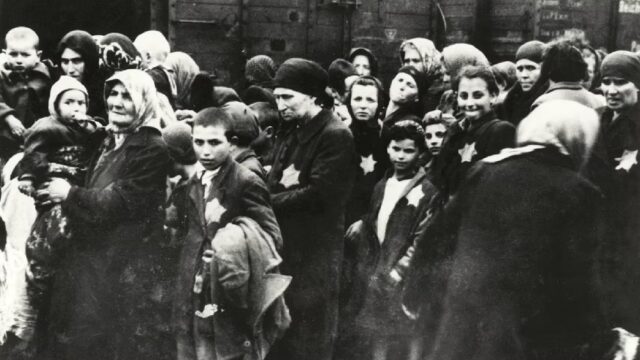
290	177
214	211
467	152
627	160
414	196
367	164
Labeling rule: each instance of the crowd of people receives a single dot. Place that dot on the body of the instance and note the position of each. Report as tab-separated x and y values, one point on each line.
468	211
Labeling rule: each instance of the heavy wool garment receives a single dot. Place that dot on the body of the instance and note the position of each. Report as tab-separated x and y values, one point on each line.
310	182
522	282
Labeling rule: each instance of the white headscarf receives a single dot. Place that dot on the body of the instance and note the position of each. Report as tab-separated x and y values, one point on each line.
143	93
569	126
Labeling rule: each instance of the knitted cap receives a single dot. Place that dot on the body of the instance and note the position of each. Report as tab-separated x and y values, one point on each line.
178	139
65	83
303	76
622	64
531	50
244	122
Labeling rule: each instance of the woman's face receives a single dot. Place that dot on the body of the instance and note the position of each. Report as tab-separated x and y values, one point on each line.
122	112
412	57
619	93
364	102
72	64
362	65
474	98
403	89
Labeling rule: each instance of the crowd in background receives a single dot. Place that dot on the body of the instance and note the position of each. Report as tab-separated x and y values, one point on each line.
469	210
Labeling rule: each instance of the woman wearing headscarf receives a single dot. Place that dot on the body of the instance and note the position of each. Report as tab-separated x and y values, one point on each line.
185	70
117	53
363	60
422	54
520	283
407	89
614	168
78	57
104	293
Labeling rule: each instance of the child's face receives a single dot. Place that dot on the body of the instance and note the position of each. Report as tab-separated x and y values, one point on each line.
403	154
72	105
364	102
434	135
72	64
122	112
22	55
474	98
211	145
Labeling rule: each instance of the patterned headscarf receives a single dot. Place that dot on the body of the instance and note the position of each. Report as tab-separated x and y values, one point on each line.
431	57
185	70
118	53
143	93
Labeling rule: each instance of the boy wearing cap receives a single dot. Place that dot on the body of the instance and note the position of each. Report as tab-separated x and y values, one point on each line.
310	180
208	319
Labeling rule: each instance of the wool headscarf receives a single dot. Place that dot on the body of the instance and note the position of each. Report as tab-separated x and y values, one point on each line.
303	76
143	93
457	56
431	57
185	70
82	42
260	70
531	50
570	127
622	64
117	53
373	61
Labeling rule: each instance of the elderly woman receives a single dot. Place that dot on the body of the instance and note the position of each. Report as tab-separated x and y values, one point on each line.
521	254
103	295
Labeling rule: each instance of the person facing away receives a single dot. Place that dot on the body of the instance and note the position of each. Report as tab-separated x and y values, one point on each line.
219	193
24	88
154	49
310	182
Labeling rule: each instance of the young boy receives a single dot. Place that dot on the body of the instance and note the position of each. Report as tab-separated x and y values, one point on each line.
24	88
219	193
268	118
246	129
398	213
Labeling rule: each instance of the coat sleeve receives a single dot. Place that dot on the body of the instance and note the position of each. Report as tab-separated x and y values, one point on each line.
331	176
34	164
257	205
5	109
502	135
128	197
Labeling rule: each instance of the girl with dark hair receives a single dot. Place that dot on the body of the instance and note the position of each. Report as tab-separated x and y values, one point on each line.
478	134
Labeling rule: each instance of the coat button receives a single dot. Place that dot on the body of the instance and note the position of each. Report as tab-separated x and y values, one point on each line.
247	343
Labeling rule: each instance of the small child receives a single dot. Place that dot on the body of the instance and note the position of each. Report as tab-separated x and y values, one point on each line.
399	211
56	146
220	192
24	88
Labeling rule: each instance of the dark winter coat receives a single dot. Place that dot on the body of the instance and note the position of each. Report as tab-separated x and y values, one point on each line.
376	294
466	143
310	181
517	103
614	168
235	191
250	160
521	283
103	295
26	98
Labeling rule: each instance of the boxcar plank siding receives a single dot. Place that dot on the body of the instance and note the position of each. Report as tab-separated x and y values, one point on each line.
276	30
205	12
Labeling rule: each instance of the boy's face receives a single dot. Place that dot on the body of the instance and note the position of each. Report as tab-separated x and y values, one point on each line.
403	154
434	135
72	105
211	146
22	55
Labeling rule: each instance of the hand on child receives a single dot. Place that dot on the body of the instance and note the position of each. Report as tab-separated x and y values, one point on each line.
15	125
185	115
53	192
